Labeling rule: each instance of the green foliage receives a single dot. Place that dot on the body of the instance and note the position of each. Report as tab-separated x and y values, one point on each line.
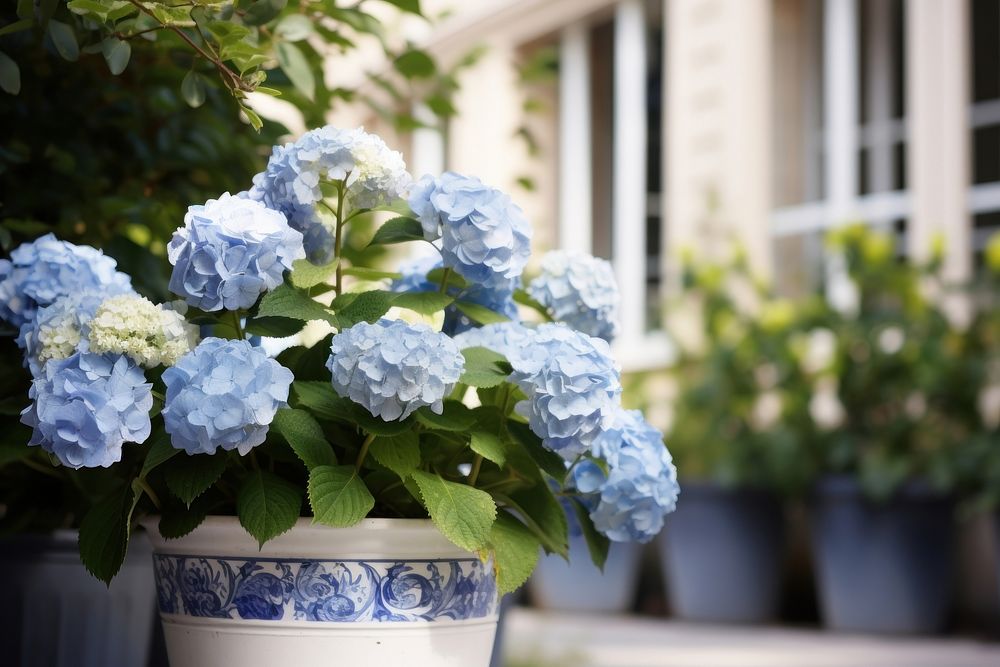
189	476
104	534
305	436
464	514
338	496
484	368
267	505
515	552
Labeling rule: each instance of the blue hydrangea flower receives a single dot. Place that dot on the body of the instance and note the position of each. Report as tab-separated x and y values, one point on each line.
629	503
45	269
572	385
484	235
391	368
85	407
223	394
59	329
580	290
291	183
229	252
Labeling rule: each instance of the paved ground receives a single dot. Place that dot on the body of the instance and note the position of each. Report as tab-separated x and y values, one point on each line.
539	639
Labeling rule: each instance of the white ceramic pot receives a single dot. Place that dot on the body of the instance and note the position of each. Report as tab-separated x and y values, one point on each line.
387	592
56	614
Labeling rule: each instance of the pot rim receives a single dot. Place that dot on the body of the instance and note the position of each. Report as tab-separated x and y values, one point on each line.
224	536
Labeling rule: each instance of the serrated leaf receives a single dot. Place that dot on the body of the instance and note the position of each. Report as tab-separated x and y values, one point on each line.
484	368
294	27
454	417
489	446
64	39
515	552
365	307
465	515
193	89
399	453
425	303
322	400
267	505
263	11
116	53
160	451
398	230
412	6
178	520
104	534
338	496
305	274
295	65
480	314
365	273
542	512
189	476
541	457
273	327
305	436
10	75
286	301
597	544
415	64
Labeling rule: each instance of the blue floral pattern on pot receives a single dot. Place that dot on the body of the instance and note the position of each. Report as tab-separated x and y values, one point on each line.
325	591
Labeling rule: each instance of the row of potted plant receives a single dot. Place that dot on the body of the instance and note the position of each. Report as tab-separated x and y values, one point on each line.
370	495
881	414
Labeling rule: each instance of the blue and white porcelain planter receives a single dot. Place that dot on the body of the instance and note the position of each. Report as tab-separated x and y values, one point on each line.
386	592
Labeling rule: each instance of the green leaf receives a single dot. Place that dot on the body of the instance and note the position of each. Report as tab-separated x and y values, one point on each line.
116	54
484	368
597	544
322	400
415	64
263	11
543	514
295	65
480	314
412	6
364	307
399	453
454	417
294	27
170	15
398	230
338	496
522	297
275	327
193	89
515	552
252	117
465	515
104	534
425	303
542	457
64	39
160	451
267	505
455	280
286	301
305	436
305	274
489	446
14	452
10	75
16	26
189	476
365	273
178	520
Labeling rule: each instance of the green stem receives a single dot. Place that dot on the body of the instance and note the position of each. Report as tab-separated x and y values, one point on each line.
148	490
238	325
364	451
338	239
476	465
444	280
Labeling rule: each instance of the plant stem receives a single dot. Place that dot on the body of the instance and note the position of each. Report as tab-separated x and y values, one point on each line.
338	239
476	465
148	490
364	451
444	280
238	325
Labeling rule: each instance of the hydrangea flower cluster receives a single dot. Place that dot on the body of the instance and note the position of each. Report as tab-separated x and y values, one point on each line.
484	235
580	290
414	279
572	385
291	182
229	252
58	329
223	394
85	407
391	368
628	503
505	338
133	325
40	272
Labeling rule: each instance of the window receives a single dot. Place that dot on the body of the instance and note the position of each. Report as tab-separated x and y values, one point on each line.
984	115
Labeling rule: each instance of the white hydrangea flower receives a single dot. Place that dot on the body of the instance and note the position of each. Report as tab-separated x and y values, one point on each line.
133	325
379	176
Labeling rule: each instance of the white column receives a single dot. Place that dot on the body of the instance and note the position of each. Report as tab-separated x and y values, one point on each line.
575	204
879	93
629	184
939	154
428	144
840	104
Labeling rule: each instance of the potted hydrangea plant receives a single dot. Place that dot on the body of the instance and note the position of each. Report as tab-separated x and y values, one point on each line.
367	496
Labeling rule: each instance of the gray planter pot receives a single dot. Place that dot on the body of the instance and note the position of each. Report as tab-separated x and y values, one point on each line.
722	554
580	587
996	543
55	614
883	568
